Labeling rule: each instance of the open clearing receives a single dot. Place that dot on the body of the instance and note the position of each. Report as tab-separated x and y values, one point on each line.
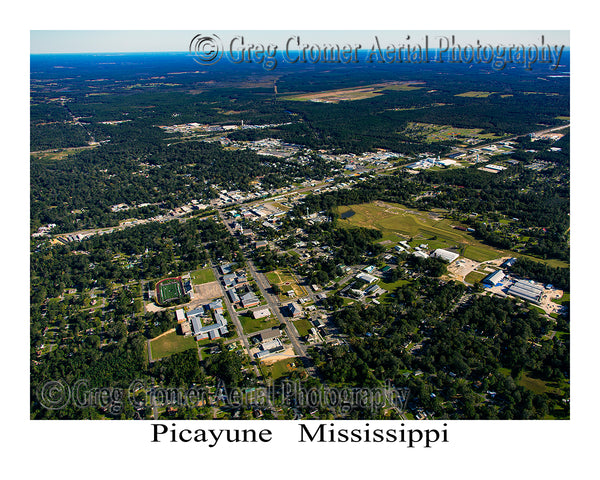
204	275
281	367
429	132
208	291
253	325
285	281
287	354
475	94
423	227
170	343
357	93
303	326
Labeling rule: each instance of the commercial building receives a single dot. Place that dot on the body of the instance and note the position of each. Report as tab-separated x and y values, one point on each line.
186	329
249	300
375	290
445	255
509	263
226	268
494	279
269	334
365	277
234	298
294	309
180	315
527	291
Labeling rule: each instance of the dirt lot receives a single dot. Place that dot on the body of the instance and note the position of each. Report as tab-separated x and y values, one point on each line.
461	268
284	354
207	291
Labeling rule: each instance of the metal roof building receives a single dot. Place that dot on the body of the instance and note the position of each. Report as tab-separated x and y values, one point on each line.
494	279
233	296
526	290
249	300
211	331
365	277
445	255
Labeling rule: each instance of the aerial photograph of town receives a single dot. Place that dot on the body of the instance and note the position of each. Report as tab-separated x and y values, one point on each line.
322	232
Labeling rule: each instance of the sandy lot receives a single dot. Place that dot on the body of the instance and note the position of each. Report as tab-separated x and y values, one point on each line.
207	291
284	354
461	268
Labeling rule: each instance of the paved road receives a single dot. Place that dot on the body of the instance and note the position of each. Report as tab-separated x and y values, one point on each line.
276	307
236	321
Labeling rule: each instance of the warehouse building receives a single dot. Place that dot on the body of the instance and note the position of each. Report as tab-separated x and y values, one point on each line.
365	277
527	291
445	255
494	279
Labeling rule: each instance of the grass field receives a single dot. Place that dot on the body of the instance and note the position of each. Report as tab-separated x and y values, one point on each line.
285	281
423	227
391	287
303	326
204	275
436	133
277	277
281	368
169	344
475	94
474	277
534	384
252	325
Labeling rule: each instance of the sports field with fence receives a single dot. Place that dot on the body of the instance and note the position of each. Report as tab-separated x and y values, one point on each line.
169	289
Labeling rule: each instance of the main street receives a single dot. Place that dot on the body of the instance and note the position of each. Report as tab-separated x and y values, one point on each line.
276	307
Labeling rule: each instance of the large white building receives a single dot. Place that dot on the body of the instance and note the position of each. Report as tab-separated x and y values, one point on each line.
365	277
445	255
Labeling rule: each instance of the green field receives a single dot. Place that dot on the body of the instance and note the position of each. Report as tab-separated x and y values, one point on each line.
430	132
303	326
285	281
391	287
474	277
423	227
169	344
281	367
277	277
252	325
475	94
204	275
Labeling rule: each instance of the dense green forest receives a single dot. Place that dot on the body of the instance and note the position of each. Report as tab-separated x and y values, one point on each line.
471	360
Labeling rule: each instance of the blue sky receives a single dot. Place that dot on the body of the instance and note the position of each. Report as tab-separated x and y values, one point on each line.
105	41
